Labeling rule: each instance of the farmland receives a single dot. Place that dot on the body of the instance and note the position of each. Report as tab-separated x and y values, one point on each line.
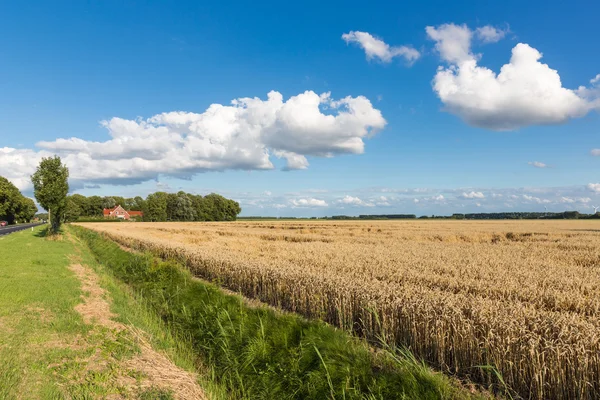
521	296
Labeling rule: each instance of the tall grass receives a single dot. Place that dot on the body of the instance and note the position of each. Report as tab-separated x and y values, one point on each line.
259	353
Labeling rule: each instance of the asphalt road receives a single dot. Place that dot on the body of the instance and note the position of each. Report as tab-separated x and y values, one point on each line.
5	230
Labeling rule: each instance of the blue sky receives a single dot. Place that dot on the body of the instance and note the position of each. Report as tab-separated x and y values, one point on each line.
394	134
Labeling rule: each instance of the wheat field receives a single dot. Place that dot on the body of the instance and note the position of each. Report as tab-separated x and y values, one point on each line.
522	296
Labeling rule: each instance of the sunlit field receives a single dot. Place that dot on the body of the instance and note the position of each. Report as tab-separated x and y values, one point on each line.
521	296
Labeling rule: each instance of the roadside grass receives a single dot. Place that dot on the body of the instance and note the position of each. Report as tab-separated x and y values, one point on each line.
47	351
260	353
37	317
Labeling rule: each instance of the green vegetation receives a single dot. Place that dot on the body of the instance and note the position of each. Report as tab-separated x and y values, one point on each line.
159	206
47	351
257	352
14	207
37	318
50	185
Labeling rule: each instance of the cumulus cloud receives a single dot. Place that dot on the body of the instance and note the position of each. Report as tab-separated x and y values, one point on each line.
308	202
594	187
377	48
490	34
525	92
534	199
472	195
452	42
537	164
356	201
242	135
294	161
383	201
570	200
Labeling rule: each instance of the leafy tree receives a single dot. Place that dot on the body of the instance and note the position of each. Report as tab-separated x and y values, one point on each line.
72	210
108	202
10	199
185	208
27	210
14	207
139	203
119	201
81	202
156	207
171	206
50	185
94	207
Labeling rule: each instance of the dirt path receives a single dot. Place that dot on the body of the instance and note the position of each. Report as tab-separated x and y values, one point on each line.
157	370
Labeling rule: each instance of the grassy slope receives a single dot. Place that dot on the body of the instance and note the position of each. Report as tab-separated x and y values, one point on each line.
46	349
259	353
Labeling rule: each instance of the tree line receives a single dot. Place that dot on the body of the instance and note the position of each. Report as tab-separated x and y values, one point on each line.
14	207
51	187
156	207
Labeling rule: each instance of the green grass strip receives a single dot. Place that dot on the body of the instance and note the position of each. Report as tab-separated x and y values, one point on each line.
259	353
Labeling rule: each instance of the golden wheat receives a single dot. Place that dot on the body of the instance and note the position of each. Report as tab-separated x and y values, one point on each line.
523	296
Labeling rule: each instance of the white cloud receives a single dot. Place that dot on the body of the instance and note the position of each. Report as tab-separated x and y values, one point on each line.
537	164
17	165
239	136
355	201
489	34
472	195
294	161
377	48
570	200
383	201
525	92
535	199
308	202
594	187
595	152
453	42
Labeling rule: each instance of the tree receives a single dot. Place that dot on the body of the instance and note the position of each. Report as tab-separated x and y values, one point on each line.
81	202
155	208
14	207
10	199
50	186
139	203
72	210
108	202
94	207
26	210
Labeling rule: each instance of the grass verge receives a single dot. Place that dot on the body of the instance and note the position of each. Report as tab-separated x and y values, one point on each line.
259	353
48	351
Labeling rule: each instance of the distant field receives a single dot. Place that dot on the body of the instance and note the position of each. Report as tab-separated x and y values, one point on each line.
522	296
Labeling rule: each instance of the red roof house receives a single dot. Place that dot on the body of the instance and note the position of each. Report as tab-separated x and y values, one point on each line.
120	212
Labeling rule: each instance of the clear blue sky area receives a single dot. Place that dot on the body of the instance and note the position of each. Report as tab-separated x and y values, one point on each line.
389	118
